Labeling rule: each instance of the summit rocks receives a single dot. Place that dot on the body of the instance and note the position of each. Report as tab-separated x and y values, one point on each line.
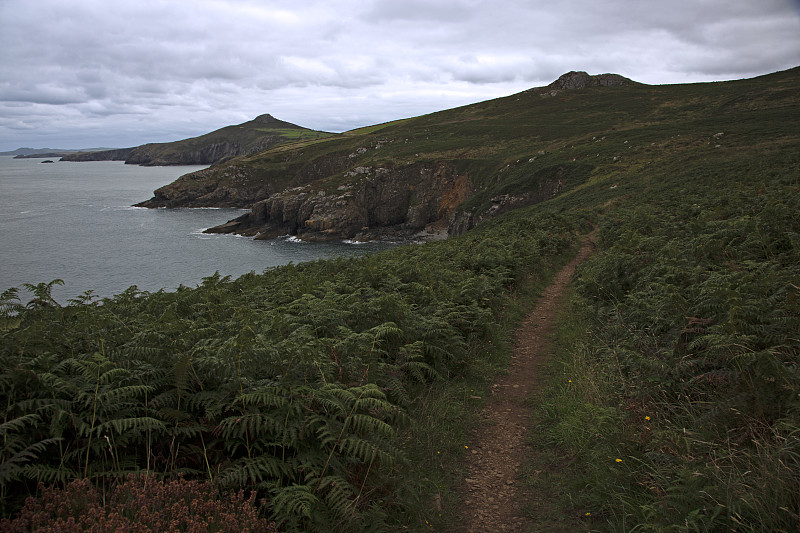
582	80
576	80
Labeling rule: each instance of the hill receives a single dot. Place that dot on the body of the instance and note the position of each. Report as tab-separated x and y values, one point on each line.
220	145
452	169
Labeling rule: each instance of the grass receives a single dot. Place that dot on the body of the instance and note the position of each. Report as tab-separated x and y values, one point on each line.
672	393
570	417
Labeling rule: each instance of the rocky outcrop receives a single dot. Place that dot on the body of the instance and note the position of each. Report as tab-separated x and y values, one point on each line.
463	221
373	203
582	80
230	186
575	80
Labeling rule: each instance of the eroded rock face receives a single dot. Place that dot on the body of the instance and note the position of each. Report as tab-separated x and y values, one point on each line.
373	203
463	221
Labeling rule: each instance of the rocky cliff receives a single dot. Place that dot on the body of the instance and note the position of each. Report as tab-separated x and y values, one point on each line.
228	187
417	200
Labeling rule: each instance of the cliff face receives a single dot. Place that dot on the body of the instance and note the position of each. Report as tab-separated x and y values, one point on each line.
207	188
375	202
240	184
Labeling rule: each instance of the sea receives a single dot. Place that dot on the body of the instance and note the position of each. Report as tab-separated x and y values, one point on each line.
74	221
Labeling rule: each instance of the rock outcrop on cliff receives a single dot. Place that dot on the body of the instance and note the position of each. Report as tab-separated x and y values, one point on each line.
376	203
576	80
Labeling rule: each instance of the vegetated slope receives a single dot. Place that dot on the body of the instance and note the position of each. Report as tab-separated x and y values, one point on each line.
304	383
683	411
218	146
678	404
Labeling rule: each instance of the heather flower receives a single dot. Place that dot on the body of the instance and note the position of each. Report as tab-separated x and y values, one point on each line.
139	504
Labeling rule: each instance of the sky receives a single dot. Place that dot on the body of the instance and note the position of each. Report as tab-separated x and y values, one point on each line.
120	73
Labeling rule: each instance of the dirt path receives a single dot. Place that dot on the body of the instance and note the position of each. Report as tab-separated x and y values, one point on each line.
492	491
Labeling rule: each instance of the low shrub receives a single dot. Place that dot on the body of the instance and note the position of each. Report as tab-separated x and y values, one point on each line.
140	504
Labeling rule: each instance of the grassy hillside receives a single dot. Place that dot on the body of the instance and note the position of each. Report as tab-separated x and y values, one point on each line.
340	391
248	137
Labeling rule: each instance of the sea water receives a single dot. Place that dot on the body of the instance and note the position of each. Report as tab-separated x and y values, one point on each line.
74	221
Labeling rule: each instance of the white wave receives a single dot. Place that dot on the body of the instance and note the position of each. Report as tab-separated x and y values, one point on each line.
284	238
122	208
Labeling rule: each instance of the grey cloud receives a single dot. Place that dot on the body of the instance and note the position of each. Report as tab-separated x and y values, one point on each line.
156	69
41	94
442	11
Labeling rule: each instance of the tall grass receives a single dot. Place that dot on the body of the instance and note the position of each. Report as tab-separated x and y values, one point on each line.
679	393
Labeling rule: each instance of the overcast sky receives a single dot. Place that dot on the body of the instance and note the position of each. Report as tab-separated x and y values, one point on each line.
84	73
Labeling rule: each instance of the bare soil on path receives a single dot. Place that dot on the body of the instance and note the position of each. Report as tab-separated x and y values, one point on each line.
492	493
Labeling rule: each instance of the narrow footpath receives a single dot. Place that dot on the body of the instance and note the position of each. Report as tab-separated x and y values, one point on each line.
492	492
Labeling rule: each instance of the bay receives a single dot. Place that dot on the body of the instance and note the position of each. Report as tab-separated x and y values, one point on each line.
74	221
